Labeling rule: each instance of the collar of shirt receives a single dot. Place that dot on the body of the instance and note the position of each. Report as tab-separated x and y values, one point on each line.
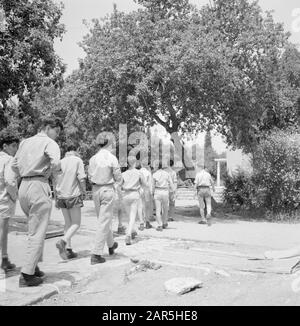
41	134
68	154
2	153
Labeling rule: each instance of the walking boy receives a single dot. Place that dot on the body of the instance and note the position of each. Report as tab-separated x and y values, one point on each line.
147	195
172	194
36	160
133	180
104	172
70	190
203	182
8	194
163	184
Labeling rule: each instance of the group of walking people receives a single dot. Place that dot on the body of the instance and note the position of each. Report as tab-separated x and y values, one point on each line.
25	172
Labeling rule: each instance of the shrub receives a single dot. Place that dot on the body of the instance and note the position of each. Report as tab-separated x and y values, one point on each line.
239	190
277	170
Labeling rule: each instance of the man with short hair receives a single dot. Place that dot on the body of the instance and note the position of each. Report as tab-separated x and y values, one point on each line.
104	171
37	159
8	194
203	182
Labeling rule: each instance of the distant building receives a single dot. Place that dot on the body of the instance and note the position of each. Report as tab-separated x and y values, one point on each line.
237	160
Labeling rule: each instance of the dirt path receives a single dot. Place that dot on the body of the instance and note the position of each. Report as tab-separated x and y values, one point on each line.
229	277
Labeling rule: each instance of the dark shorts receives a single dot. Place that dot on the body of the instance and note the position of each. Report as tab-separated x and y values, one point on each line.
69	203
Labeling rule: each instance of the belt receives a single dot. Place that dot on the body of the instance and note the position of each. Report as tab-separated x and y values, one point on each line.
131	190
34	177
203	186
110	184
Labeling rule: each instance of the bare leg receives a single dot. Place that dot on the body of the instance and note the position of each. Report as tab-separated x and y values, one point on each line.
75	221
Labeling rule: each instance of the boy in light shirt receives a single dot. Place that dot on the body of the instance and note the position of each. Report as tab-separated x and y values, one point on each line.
133	181
203	183
147	194
8	194
163	184
70	190
172	194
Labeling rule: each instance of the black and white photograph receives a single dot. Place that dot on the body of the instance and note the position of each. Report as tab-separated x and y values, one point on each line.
149	155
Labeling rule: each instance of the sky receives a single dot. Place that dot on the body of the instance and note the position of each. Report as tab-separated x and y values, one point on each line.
75	11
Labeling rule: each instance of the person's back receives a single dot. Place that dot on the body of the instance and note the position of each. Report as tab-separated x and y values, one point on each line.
203	179
104	173
132	180
35	156
72	173
162	180
203	182
104	168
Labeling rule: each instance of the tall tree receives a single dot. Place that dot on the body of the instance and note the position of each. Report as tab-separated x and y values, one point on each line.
226	66
27	56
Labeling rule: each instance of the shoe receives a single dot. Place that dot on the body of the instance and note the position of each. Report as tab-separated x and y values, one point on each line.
128	240
113	248
159	228
202	222
7	266
165	226
71	254
148	226
171	219
38	272
61	246
97	259
133	235
29	281
142	227
121	230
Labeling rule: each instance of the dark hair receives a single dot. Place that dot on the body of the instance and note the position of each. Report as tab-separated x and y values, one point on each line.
52	122
103	143
71	148
8	140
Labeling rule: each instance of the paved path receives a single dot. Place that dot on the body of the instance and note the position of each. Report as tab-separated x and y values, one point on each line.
227	246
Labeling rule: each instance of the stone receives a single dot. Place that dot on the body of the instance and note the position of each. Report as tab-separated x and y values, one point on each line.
182	285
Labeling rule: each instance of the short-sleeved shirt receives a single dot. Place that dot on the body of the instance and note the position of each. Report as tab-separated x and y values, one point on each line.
173	175
104	169
37	156
162	180
8	186
132	180
203	179
71	174
148	178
